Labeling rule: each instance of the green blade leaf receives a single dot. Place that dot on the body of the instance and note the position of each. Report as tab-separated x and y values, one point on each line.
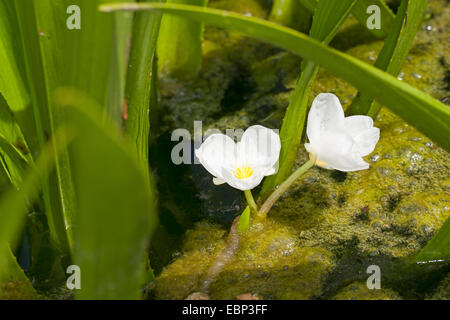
91	53
57	56
14	152
141	79
360	13
14	204
244	220
11	82
327	19
13	162
290	13
10	271
394	51
416	107
13	91
180	45
309	4
386	16
438	248
114	106
116	209
141	92
37	86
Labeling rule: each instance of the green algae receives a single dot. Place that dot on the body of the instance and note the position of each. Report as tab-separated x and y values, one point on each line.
200	247
271	263
330	226
17	290
442	292
390	209
359	291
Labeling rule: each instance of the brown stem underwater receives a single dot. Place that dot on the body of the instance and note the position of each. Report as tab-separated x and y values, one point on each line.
223	258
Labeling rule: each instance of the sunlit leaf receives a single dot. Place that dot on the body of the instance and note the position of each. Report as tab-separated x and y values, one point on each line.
360	13
141	80
11	82
438	248
394	51
116	209
56	56
327	19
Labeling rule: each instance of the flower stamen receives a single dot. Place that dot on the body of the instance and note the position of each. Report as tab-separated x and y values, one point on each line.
243	172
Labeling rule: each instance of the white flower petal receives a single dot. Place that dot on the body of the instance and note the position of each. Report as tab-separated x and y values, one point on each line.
218	181
338	142
259	147
367	140
326	114
216	152
351	162
336	152
363	132
242	184
241	165
272	170
355	125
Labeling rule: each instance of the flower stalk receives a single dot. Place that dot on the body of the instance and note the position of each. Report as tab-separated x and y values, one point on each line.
251	201
268	204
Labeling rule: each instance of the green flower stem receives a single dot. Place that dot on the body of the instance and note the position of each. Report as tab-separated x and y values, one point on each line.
265	208
251	201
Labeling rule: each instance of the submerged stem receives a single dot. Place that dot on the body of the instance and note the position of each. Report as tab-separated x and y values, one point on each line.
250	200
223	258
284	186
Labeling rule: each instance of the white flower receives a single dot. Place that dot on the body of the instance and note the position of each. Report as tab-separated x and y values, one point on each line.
338	142
244	164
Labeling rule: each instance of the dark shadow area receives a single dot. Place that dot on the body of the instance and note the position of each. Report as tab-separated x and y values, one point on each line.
186	195
410	280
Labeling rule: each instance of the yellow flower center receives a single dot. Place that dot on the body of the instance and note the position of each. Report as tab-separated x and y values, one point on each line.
243	172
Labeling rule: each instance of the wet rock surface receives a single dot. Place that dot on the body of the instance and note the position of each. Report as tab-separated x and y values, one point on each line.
359	291
330	226
442	291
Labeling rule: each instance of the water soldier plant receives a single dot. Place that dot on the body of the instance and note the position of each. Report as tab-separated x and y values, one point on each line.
335	142
80	110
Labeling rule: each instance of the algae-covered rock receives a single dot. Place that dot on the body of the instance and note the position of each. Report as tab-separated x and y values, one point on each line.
272	264
359	291
323	233
180	279
269	263
442	292
17	290
14	284
391	209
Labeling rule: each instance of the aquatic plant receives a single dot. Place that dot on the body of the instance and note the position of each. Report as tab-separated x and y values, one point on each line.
337	142
242	165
